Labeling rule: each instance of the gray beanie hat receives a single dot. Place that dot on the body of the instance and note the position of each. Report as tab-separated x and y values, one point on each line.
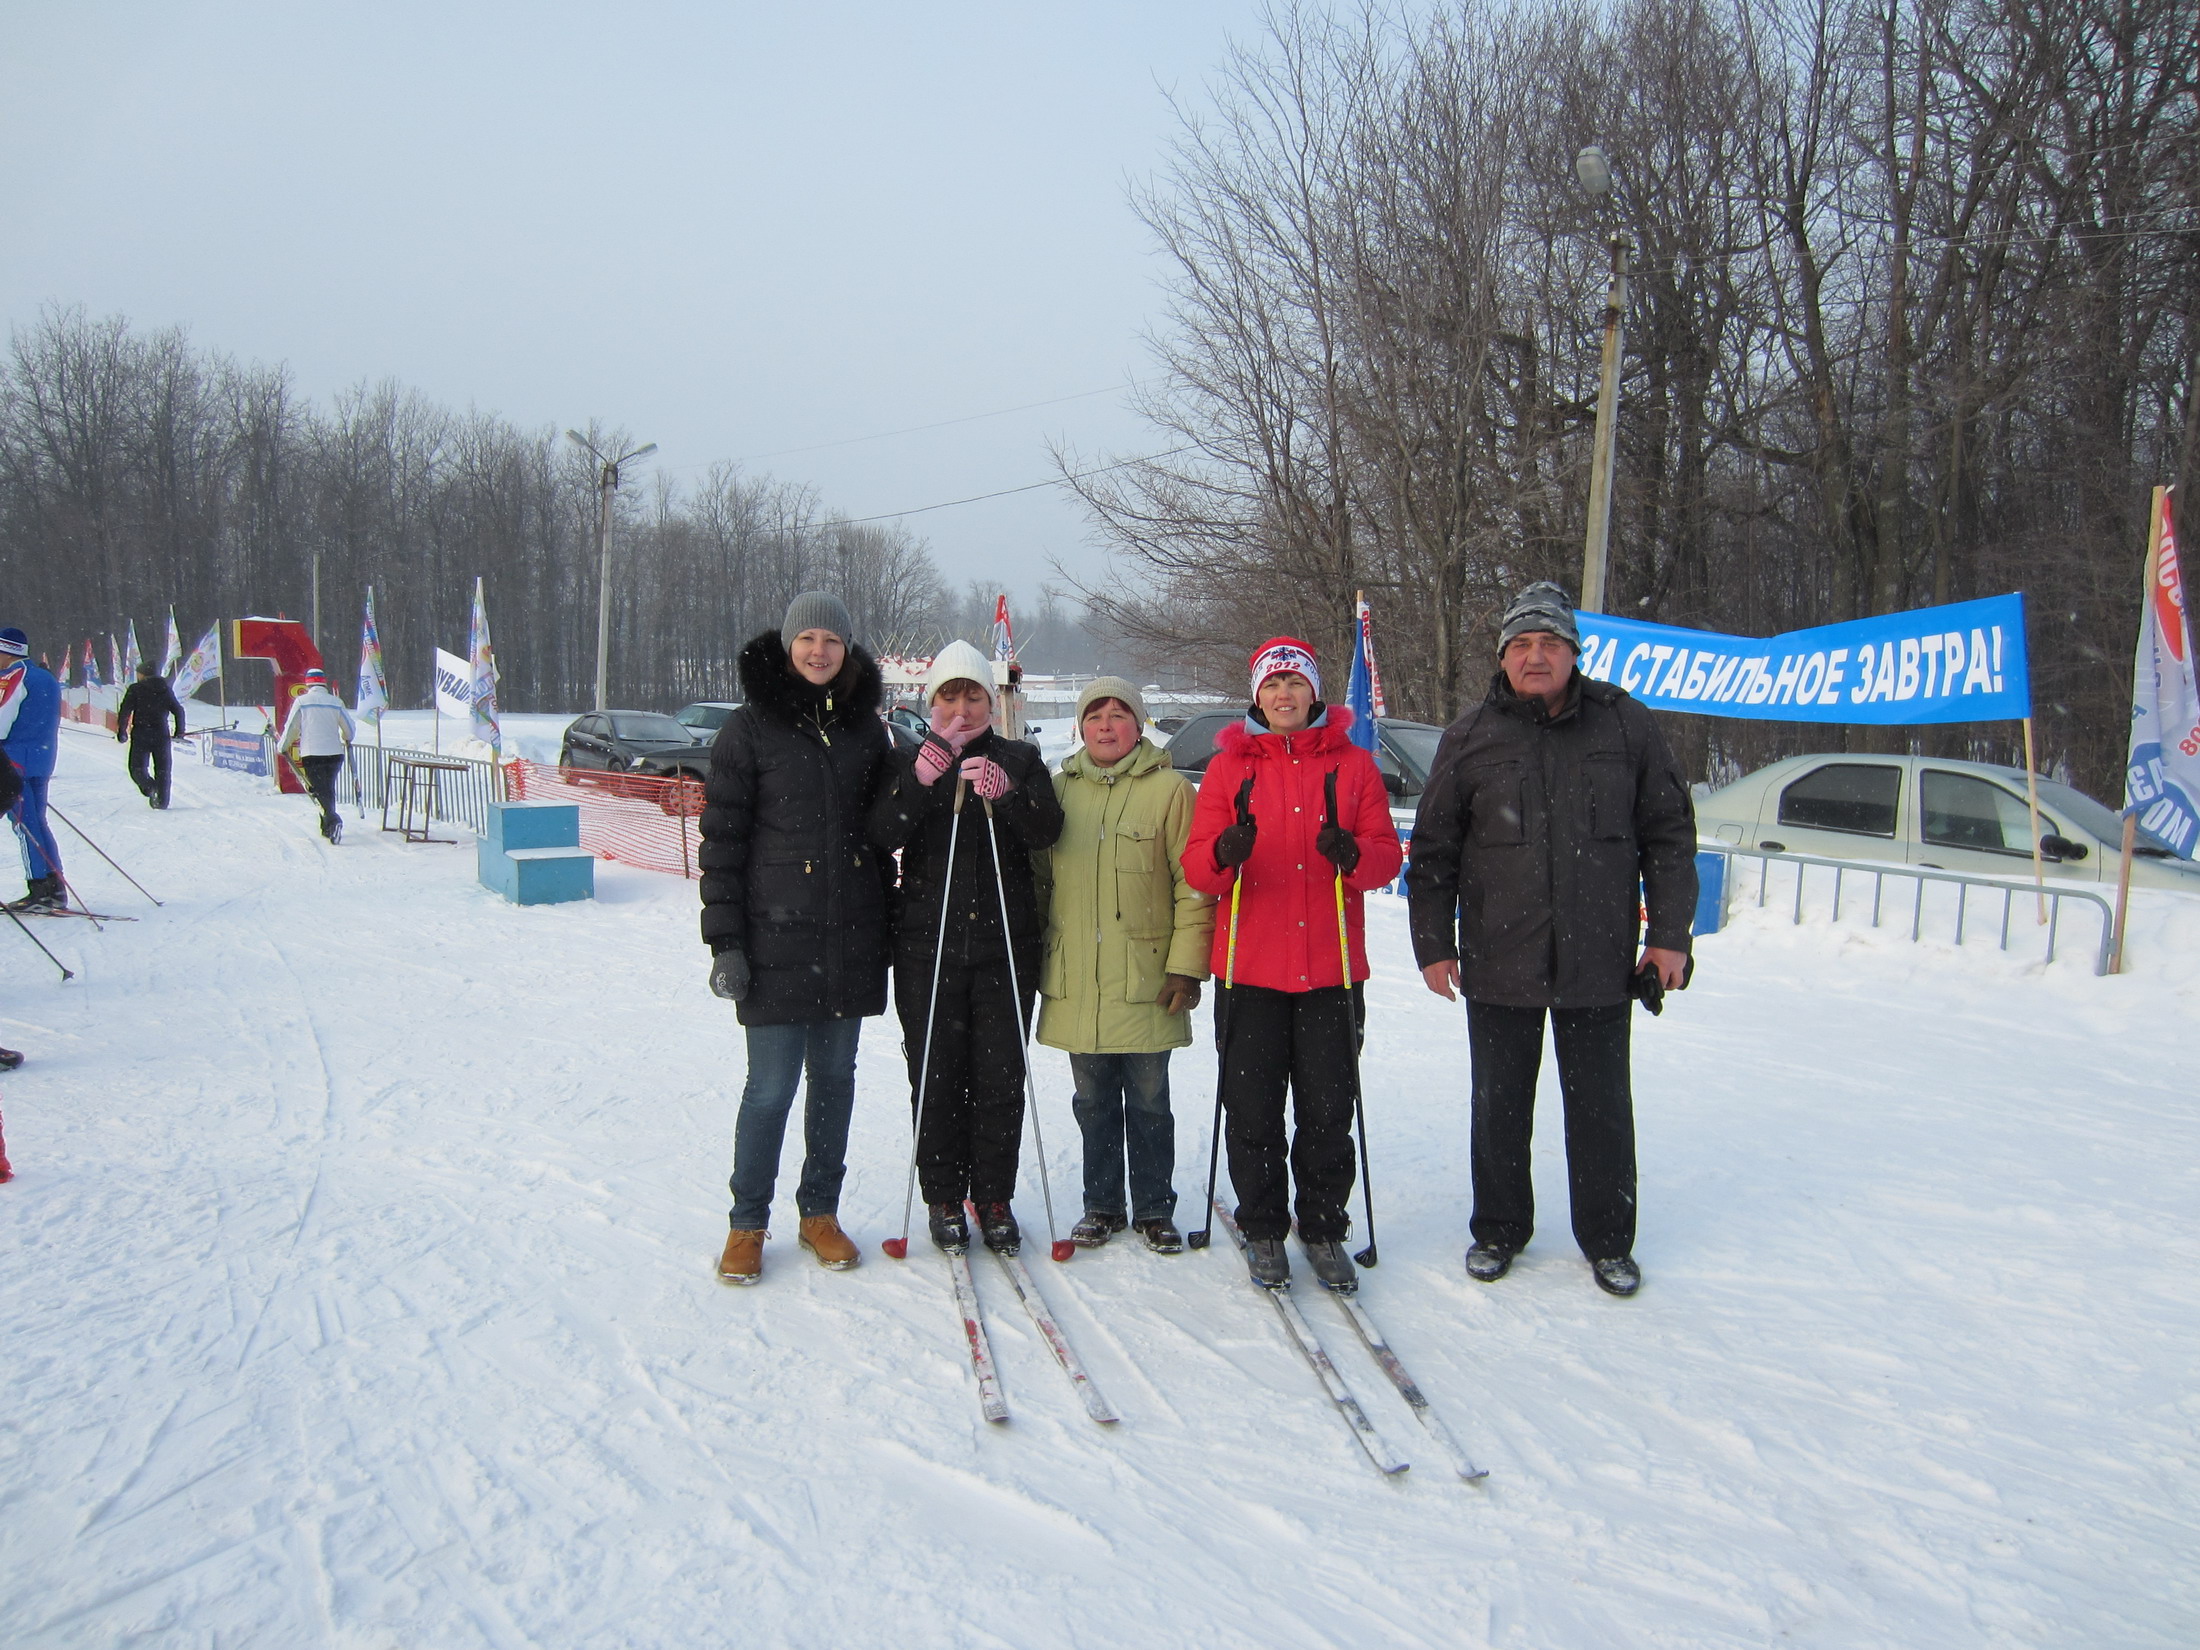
817	610
1111	687
1542	606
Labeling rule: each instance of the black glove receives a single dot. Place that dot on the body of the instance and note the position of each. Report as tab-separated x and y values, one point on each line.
1339	846
729	975
1234	844
1649	990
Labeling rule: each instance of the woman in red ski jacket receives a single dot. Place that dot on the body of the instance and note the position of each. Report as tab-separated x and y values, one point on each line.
1290	1018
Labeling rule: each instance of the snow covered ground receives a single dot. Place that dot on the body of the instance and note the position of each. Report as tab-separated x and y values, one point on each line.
357	1292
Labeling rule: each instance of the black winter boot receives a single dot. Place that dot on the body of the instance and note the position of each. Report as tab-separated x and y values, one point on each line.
997	1225
1095	1229
1487	1262
1617	1276
1161	1235
949	1230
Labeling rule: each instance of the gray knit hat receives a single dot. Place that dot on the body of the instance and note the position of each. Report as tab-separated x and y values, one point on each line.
1542	606
1111	687
817	610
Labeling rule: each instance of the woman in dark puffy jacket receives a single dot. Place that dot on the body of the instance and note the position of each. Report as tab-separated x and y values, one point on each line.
794	910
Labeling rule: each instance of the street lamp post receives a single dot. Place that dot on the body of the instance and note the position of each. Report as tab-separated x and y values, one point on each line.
607	483
1596	177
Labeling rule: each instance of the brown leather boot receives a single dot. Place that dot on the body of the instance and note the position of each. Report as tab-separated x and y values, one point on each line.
822	1236
743	1261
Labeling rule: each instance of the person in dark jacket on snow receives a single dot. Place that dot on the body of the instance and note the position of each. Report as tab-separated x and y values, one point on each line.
1290	1018
794	911
148	711
973	1114
1548	803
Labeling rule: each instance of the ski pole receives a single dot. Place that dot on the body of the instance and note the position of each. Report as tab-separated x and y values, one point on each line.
68	890
66	972
97	849
1224	1004
1367	1256
898	1248
1060	1248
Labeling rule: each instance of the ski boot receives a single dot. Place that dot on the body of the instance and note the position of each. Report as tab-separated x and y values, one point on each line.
997	1225
949	1230
1270	1266
42	894
1333	1267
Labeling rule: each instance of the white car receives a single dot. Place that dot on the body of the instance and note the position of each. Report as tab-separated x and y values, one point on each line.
1927	811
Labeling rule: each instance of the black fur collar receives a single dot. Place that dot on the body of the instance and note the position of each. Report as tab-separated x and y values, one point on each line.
769	683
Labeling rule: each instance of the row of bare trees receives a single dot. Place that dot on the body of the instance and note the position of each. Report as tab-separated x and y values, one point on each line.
1914	315
137	471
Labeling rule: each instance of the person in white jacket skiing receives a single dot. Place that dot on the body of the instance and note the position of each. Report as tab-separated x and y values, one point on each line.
321	729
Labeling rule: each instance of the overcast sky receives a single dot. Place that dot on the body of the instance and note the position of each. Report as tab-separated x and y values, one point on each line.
732	228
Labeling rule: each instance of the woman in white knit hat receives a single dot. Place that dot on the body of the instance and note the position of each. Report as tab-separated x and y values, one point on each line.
972	1124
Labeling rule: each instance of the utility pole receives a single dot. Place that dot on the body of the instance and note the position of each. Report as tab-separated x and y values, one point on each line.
1596	177
607	483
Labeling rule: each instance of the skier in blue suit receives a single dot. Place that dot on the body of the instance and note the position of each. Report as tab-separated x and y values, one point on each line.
30	729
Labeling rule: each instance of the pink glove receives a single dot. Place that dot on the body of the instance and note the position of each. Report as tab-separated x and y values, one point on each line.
932	760
986	778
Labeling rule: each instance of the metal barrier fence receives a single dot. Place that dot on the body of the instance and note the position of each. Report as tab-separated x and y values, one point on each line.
453	790
639	821
1844	869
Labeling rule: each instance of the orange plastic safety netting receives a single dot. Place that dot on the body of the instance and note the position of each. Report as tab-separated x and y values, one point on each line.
645	822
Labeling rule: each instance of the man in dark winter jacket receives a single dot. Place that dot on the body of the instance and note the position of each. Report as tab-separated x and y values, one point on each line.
149	708
794	910
973	1095
1548	805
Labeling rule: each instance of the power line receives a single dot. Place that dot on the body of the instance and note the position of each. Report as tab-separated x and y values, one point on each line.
945	423
1027	487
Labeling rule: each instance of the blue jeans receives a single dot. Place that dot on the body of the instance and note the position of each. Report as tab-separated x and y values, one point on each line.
1122	1108
777	1055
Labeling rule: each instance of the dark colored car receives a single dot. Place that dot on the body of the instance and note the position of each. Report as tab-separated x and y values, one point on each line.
632	741
1404	753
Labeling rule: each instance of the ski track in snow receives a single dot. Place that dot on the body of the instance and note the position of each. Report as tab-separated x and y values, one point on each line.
359	1293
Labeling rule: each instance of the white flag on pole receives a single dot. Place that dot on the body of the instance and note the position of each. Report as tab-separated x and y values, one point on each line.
454	691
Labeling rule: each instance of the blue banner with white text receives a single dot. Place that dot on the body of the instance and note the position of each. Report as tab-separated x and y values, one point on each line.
1961	663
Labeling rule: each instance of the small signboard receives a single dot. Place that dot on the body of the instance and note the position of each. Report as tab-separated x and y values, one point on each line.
240	752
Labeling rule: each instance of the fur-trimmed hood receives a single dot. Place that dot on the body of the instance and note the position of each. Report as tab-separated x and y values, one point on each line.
768	682
1328	733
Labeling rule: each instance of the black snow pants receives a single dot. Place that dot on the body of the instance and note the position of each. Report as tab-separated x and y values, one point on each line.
973	1123
1507	1047
321	772
150	763
1305	1041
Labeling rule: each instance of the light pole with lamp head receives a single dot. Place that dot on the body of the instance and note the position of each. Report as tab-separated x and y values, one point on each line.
607	483
1595	173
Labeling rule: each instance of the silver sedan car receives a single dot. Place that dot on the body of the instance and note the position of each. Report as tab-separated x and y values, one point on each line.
1928	811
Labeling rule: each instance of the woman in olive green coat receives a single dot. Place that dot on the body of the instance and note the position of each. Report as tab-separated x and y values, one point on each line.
1127	944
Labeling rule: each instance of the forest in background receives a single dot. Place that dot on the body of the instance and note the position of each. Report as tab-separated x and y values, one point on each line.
1912	317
